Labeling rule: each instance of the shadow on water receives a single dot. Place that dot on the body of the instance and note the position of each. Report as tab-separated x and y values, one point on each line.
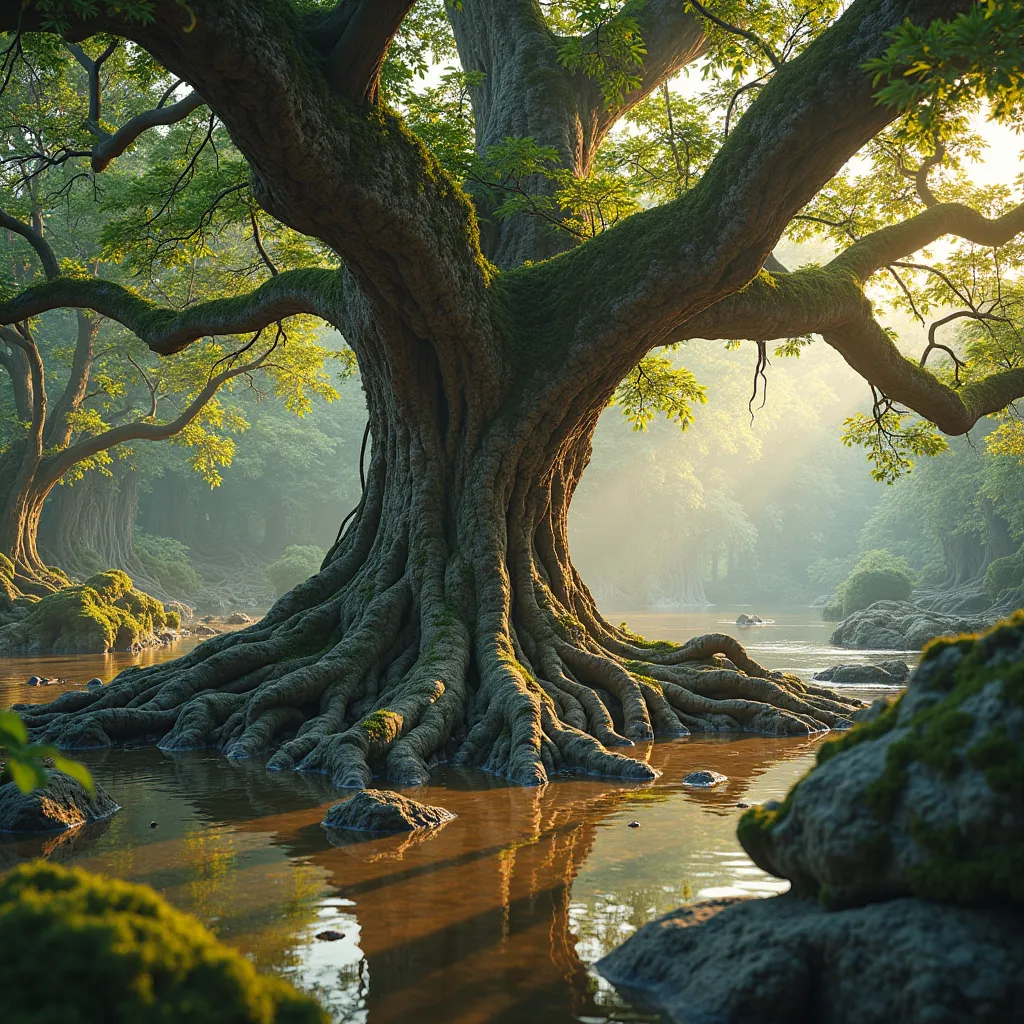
494	917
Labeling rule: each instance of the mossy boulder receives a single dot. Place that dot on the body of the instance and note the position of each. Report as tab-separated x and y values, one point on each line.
866	587
382	811
901	626
1005	574
64	804
105	613
925	800
77	947
786	959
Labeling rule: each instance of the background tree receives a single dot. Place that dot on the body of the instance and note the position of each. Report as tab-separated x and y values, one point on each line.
490	332
81	385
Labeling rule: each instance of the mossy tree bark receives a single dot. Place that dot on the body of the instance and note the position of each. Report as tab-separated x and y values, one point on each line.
448	620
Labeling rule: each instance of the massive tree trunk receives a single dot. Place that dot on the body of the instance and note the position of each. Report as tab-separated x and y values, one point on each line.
448	621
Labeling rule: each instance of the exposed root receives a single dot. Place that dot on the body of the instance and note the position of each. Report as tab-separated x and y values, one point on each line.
399	655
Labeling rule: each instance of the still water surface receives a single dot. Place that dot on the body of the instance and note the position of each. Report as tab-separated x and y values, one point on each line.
496	917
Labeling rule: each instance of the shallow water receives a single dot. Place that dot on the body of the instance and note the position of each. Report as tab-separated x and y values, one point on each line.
496	917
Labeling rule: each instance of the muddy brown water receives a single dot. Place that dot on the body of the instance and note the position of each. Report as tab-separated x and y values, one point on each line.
497	917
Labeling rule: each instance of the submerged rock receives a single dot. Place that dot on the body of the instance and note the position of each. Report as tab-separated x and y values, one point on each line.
787	959
64	804
873	675
900	626
376	810
904	847
704	779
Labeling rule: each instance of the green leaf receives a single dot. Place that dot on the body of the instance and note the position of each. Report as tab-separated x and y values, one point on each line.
76	770
12	726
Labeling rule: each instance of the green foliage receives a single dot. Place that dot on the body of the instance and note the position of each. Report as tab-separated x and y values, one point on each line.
978	55
654	386
296	564
1004	574
78	947
608	46
892	442
26	763
168	562
878	576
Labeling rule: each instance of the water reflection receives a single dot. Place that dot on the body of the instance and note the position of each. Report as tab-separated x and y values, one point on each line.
495	917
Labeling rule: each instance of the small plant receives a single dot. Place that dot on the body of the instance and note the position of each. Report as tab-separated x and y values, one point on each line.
26	763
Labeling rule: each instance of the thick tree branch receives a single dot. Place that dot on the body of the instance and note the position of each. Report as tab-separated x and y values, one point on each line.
360	32
166	331
887	245
35	239
636	284
58	429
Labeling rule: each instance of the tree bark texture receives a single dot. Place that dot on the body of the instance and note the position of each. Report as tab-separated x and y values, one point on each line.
448	621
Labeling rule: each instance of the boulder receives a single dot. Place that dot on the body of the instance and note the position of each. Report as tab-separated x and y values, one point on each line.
787	959
898	669
64	804
239	619
94	682
743	619
375	810
873	675
900	626
905	849
704	779
927	799
105	613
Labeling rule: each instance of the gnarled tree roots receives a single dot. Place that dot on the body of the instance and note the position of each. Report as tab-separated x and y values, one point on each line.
387	663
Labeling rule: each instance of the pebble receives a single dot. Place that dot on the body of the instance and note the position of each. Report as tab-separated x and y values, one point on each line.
152	824
634	824
330	935
95	681
741	804
34	681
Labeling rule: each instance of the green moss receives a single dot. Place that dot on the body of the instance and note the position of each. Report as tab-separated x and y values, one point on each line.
79	948
382	726
1004	574
102	614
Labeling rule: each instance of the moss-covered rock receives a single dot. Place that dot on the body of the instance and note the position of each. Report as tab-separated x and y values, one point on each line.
1005	574
926	799
102	614
78	948
64	804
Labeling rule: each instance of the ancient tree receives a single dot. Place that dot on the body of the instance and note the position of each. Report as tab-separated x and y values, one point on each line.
448	621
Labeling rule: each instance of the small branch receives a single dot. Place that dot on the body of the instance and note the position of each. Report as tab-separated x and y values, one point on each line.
140	431
920	175
111	146
735	30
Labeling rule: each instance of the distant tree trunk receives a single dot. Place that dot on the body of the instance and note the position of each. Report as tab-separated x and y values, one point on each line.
89	524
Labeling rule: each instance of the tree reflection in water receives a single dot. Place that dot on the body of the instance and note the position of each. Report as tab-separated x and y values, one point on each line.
493	917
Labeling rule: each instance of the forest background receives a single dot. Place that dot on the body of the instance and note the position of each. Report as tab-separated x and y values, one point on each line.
698	494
